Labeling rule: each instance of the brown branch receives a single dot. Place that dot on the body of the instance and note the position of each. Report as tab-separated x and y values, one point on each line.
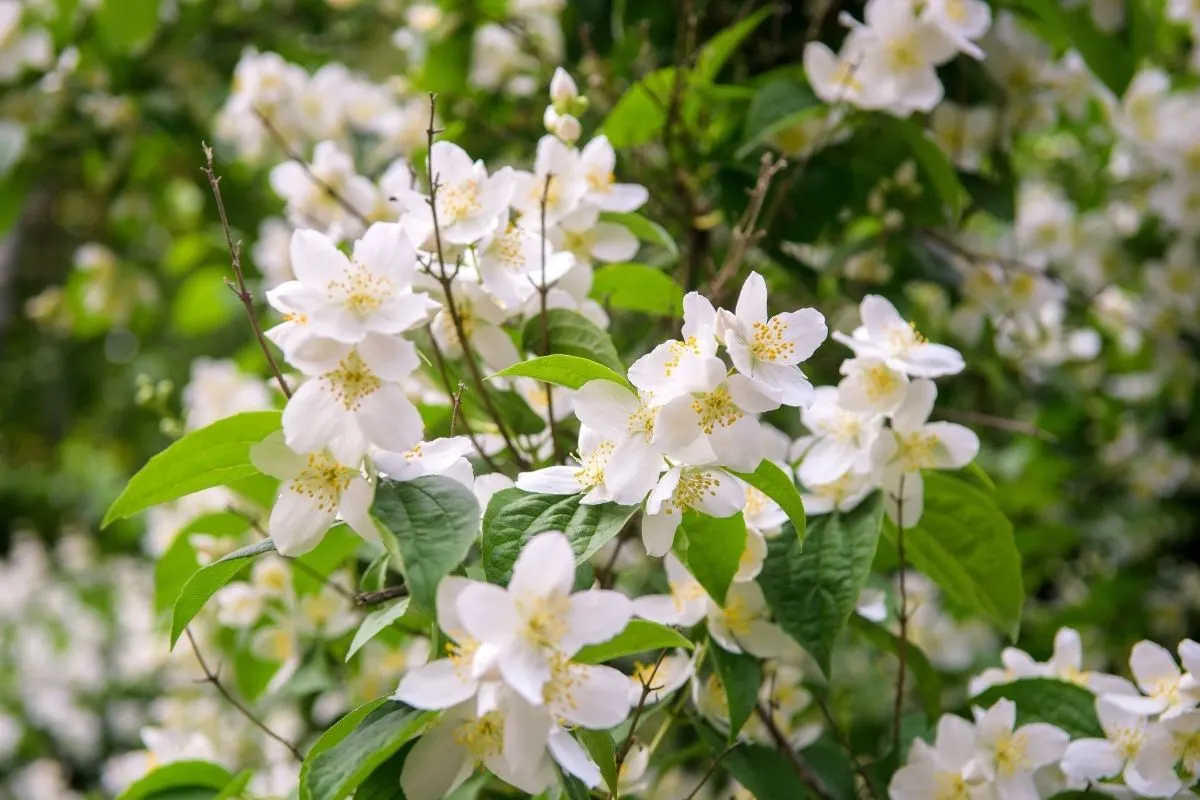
746	232
243	294
623	751
802	770
999	423
445	376
292	155
380	596
211	677
844	742
455	408
712	768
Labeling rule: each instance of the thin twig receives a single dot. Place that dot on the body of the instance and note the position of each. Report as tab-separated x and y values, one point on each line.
902	644
380	596
844	742
604	575
712	768
746	232
802	770
256	526
999	423
324	185
647	688
543	290
440	361
211	677
457	403
235	255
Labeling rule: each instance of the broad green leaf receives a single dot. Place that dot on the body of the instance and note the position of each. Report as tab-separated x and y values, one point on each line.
179	562
339	544
126	26
235	789
375	623
713	550
334	773
179	775
929	683
569	371
772	481
211	456
334	735
832	768
644	229
639	115
513	517
716	51
639	636
384	782
1064	705
934	163
435	520
638	287
812	588
765	773
603	750
775	106
572	334
965	544
206	581
741	676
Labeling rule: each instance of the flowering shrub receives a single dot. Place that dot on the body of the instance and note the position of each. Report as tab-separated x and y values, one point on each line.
681	401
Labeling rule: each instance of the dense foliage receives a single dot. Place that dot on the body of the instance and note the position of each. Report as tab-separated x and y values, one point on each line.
672	400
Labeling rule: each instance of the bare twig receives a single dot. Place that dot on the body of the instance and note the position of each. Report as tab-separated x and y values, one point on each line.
844	742
902	644
455	408
239	288
324	185
211	677
746	232
440	361
380	596
802	770
712	768
647	688
604	575
999	423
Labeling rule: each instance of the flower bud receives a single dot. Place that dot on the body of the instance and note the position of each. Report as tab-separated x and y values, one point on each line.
567	129
562	89
550	119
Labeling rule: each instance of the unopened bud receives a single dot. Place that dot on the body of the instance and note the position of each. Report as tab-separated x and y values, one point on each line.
550	119
562	89
567	129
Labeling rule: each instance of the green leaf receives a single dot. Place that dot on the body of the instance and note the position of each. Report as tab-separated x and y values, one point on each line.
714	547
775	106
1107	56
333	736
929	683
603	751
639	636
1064	705
206	581
644	229
203	302
639	115
975	471
573	334
764	772
334	773
339	544
813	588
375	623
235	789
179	775
741	675
211	456
179	562
127	26
638	287
513	517
934	163
569	371
772	481
435	520
965	544
1081	796
717	51
832	767
374	577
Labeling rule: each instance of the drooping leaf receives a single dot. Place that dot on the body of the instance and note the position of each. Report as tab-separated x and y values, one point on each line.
741	676
572	334
513	517
435	520
965	544
196	776
929	683
639	636
206	581
717	51
375	622
569	371
772	481
334	735
602	749
211	456
714	547
335	772
1064	705
179	562
813	587
637	287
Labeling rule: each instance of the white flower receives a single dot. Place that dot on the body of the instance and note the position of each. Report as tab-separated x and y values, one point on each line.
328	194
871	386
658	679
1171	748
1009	757
583	235
844	494
435	457
597	162
963	21
510	264
1093	759
885	335
711	491
557	164
537	619
354	396
1065	664
591	476
470	203
563	90
480	318
902	52
762	514
347	298
842	442
943	771
239	605
316	488
768	351
836	78
678	367
684	606
743	625
1168	690
624	419
913	444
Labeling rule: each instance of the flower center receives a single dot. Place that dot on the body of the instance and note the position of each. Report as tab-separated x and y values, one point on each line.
641	423
902	337
904	53
1128	741
683	593
716	408
1010	755
352	381
917	450
956	11
363	291
483	738
738	616
600	181
506	248
323	480
691	490
756	502
545	619
769	342
950	786
677	351
591	466
458	201
880	381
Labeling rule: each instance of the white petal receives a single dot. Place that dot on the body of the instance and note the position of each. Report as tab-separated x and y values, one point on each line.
916	408
752	300
1152	664
660	608
572	758
957	446
448	620
879	316
437	764
390	357
487	612
526	670
613	243
933	361
595	616
526	729
1091	759
726	496
826	461
436	685
389	420
272	457
658	532
606	407
354	506
298	522
385	250
599	697
312	418
550	480
633	469
1045	744
315	260
545	567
